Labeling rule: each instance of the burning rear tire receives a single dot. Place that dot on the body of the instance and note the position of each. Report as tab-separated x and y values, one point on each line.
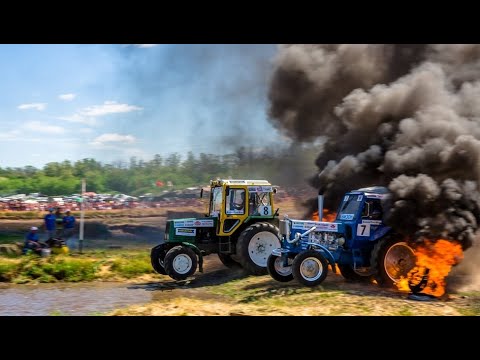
228	261
157	257
254	246
276	269
310	268
180	262
393	259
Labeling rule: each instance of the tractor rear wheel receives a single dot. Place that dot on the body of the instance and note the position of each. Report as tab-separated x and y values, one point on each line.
180	262
157	257
276	269
394	259
254	246
349	273
228	261
310	268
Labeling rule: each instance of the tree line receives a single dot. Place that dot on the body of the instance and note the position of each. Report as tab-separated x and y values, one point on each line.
287	166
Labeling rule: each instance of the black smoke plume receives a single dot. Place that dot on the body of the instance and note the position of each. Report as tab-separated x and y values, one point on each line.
402	116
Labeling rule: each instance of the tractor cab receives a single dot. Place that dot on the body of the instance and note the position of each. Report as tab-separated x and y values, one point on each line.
235	202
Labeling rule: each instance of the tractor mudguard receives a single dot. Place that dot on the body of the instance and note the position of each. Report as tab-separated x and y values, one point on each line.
380	233
327	253
198	252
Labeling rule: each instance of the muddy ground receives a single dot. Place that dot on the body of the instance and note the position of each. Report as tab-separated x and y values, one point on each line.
222	291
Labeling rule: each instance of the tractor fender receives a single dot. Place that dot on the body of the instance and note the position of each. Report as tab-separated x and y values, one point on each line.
326	252
380	233
198	252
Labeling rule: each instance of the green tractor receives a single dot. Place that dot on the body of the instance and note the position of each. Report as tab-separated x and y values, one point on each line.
240	226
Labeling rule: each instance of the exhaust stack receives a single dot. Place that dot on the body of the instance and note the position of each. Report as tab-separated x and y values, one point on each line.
320	207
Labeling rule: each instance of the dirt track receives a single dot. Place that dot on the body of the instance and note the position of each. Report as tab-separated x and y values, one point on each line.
222	291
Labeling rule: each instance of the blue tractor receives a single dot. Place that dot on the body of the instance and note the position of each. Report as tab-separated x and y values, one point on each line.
358	242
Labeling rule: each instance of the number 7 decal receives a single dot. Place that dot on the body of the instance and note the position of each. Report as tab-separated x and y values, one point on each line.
363	230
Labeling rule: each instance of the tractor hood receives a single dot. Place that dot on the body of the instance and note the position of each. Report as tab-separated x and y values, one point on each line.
319	225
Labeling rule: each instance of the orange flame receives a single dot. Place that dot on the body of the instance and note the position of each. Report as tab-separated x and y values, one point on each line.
328	215
437	256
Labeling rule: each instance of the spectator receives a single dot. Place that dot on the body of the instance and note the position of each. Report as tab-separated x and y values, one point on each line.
68	228
32	241
58	222
50	224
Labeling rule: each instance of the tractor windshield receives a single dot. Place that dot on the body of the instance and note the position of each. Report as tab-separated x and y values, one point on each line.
216	201
349	208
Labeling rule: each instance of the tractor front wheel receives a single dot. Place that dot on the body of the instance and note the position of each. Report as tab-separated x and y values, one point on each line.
180	262
254	246
309	268
276	269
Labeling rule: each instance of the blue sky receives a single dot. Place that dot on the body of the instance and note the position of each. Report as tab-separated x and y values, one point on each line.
111	102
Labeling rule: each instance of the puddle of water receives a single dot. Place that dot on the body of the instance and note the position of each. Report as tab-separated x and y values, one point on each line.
68	299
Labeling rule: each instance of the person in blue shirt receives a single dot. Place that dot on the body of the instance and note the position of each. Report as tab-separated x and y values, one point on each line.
32	241
68	227
50	224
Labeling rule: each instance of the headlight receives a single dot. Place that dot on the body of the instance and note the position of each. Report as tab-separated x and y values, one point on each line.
341	241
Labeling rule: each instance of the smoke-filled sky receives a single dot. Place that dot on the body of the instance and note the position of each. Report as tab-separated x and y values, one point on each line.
402	116
111	102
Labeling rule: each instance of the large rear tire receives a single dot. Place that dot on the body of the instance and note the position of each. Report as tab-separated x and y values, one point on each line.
276	269
309	268
228	261
157	257
180	262
254	246
394	259
350	274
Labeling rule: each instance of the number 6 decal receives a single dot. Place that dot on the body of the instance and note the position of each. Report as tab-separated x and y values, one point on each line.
363	230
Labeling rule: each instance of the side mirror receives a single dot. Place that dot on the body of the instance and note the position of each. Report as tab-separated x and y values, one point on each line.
201	193
227	191
274	190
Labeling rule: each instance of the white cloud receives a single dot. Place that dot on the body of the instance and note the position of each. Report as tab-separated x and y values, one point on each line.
37	106
67	97
113	139
76	118
145	46
40	127
108	107
9	135
85	130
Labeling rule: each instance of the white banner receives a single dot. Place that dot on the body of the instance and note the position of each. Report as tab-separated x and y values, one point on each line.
320	226
185	232
193	223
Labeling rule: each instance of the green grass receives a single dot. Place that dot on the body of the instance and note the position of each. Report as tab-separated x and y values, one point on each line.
74	268
405	311
131	266
10	238
57	313
254	290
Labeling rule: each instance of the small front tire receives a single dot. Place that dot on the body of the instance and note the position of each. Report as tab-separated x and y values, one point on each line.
276	269
309	268
180	262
